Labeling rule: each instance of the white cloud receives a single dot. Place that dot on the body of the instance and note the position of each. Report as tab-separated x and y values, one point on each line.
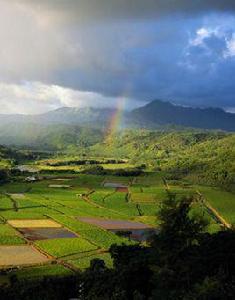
230	109
36	97
201	34
230	52
32	46
107	47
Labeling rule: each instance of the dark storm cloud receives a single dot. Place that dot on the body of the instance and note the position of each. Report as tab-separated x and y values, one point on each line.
92	9
183	51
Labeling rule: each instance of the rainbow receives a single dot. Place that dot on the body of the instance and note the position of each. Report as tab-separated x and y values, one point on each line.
115	120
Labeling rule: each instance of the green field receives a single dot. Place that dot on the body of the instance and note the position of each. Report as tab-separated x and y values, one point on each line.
86	196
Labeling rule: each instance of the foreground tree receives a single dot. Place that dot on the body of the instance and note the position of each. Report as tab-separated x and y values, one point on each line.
182	261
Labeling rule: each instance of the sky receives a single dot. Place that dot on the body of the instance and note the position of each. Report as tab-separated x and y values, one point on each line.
56	53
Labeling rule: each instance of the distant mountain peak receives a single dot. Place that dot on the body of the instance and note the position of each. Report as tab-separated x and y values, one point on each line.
160	112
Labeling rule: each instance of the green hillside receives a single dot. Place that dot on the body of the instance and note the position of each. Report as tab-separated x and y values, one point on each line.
201	156
48	137
206	157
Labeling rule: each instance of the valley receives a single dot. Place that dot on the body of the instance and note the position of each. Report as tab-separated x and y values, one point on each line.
69	191
73	210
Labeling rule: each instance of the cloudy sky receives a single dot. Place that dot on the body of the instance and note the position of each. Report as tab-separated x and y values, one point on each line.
57	53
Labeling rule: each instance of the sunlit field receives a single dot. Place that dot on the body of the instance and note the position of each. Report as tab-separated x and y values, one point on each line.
48	216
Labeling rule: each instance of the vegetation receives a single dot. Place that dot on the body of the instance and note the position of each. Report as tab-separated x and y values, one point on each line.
181	182
60	247
182	262
9	236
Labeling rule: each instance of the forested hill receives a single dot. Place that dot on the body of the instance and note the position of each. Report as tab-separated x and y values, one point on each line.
165	113
49	137
8	157
208	157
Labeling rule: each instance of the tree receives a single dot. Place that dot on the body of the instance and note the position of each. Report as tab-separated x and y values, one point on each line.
4	175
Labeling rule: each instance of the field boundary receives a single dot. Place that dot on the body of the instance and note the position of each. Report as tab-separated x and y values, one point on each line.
213	212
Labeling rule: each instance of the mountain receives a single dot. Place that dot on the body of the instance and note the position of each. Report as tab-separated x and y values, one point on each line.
66	126
165	113
63	115
73	115
156	114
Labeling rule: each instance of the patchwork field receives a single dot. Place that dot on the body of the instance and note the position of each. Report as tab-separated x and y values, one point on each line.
47	223
20	255
33	234
78	219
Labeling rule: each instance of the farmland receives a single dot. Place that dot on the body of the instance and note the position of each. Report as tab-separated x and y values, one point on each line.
64	220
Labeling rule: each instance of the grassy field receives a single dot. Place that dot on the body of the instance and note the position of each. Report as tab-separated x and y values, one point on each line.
223	202
38	203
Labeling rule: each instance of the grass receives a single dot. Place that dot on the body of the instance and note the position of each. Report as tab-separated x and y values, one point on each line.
223	202
65	206
61	248
98	236
9	236
41	272
143	198
84	262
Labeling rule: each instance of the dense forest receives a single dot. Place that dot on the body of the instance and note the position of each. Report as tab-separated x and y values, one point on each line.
204	157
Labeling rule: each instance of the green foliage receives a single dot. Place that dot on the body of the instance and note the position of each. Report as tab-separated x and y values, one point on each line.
182	262
49	137
211	162
84	262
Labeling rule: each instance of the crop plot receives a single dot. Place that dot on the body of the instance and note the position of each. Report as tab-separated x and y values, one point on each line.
135	230
62	186
17	195
60	248
114	224
77	224
20	255
34	230
10	236
61	179
46	223
122	189
34	234
114	185
143	198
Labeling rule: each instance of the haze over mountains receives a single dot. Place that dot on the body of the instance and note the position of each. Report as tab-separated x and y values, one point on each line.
87	126
154	114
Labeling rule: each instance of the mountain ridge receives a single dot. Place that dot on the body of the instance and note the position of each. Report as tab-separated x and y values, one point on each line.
155	114
166	113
